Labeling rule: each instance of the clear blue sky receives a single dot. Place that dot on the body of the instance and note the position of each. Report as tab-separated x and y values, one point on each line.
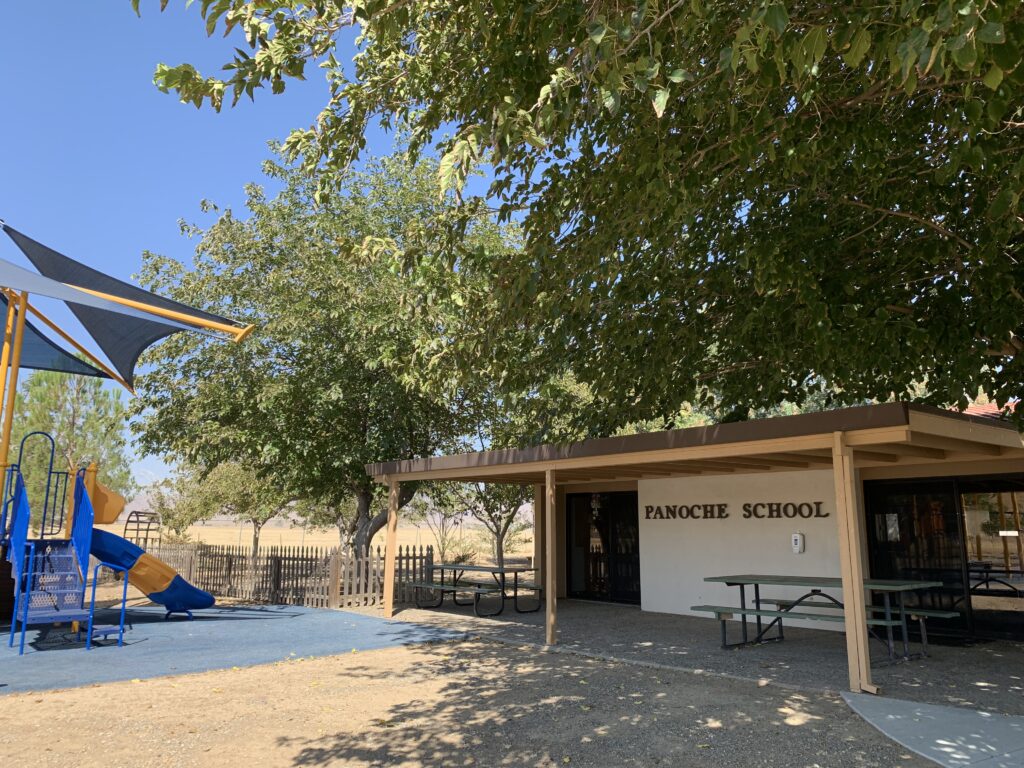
100	165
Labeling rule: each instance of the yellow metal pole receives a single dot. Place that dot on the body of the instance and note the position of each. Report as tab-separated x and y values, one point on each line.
12	385
5	356
92	358
235	331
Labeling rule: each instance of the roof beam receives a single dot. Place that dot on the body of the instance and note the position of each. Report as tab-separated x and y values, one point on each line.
876	456
955	445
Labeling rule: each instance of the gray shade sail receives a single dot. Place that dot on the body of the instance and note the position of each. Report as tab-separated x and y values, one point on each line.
122	333
39	353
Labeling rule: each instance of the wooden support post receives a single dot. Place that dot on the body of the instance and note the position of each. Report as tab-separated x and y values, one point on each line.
1002	527
538	533
1016	527
550	562
390	545
851	559
334	581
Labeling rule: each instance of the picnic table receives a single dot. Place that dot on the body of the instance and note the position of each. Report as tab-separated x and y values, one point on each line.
887	616
985	573
458	584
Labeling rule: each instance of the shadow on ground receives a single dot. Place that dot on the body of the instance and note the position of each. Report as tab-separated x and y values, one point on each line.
982	676
485	705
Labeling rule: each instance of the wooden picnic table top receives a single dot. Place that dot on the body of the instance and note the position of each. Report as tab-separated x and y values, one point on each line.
483	568
825	582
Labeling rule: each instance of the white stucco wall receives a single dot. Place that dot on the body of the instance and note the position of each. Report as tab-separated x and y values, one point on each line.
676	554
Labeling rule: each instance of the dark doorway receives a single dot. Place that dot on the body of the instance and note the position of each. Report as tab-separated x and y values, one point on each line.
603	546
963	532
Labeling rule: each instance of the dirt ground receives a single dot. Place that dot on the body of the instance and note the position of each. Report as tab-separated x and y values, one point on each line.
462	704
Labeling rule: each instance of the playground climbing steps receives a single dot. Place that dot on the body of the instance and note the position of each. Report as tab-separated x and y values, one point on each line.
49	573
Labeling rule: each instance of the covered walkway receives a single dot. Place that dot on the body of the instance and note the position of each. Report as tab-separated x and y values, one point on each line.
843	448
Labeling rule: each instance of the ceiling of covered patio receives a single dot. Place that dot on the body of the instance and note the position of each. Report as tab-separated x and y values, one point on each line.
885	435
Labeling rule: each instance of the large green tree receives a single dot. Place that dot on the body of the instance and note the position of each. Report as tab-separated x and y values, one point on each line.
311	396
239	491
717	197
88	423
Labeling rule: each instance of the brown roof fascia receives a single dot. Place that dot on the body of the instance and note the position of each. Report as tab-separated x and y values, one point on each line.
799	425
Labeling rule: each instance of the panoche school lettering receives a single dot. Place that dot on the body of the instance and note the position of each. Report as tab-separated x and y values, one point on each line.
761	510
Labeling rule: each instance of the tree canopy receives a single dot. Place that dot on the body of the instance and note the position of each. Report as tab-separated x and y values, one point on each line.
87	422
309	398
716	198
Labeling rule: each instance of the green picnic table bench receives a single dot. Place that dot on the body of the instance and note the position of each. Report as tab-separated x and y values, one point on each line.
885	617
459	585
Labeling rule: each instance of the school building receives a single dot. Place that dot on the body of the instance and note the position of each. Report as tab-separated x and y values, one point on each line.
892	491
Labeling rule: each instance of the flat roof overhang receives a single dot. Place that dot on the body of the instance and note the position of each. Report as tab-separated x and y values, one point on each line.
880	435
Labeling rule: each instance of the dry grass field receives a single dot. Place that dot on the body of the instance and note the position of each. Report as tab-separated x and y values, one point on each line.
283	535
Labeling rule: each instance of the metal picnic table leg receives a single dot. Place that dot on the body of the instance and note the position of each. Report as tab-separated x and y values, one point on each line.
888	626
903	624
743	607
757	605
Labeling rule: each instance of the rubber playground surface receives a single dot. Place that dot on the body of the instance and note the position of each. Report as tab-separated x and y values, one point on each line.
218	638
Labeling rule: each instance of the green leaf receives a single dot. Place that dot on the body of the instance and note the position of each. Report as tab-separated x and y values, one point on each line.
659	99
596	30
1007	56
679	75
992	32
859	47
1001	204
993	77
776	18
966	56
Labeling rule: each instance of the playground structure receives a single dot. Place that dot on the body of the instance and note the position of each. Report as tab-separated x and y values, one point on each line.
50	552
144	529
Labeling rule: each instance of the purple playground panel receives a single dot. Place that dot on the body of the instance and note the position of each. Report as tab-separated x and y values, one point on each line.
218	638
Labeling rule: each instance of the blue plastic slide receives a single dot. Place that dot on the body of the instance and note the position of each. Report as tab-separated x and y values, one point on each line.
150	575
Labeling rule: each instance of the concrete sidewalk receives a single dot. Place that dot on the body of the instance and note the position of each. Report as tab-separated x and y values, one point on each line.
951	736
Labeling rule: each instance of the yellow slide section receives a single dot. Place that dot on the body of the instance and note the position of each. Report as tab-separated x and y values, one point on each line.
107	505
150	574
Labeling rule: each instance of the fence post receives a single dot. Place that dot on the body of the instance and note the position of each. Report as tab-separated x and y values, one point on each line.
275	577
334	580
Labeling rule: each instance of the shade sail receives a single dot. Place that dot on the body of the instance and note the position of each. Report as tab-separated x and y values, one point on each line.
19	279
41	354
123	335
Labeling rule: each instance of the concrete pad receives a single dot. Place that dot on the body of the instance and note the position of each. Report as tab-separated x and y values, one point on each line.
950	736
219	638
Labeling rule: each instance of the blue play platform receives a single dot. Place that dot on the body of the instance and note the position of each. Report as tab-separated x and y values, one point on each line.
218	638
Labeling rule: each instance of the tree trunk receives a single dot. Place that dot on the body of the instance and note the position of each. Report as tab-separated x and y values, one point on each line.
499	550
256	528
366	527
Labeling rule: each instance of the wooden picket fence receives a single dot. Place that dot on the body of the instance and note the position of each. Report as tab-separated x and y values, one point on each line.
311	576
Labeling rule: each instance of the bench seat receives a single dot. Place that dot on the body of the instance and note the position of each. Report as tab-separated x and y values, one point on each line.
472	587
727	612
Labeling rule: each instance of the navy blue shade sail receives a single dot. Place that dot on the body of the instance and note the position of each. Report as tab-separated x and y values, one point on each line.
41	354
122	333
